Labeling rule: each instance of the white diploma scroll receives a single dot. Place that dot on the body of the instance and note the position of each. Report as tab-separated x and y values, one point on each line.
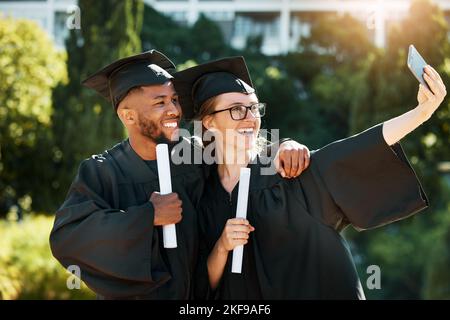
241	212
165	187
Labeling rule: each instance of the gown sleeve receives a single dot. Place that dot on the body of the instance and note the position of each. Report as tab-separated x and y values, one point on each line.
364	182
202	289
114	249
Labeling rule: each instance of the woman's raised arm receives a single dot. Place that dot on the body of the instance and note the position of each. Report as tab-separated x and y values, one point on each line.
397	128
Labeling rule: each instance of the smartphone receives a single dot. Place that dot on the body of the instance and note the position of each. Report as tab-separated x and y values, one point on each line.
416	64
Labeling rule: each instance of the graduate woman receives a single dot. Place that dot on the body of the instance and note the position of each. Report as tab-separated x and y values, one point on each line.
293	249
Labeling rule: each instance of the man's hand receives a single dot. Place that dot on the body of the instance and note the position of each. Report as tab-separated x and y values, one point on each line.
291	159
167	208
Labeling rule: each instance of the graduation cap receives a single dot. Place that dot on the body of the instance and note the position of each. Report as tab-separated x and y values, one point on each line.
115	80
200	83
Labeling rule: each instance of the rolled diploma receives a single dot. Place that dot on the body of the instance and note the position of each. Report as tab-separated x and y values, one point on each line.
241	212
165	187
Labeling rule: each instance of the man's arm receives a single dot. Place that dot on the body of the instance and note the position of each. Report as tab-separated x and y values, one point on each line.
114	249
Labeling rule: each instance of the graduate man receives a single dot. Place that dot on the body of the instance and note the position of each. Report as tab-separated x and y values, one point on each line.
110	222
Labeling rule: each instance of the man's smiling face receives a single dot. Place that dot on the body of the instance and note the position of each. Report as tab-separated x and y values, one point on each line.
156	110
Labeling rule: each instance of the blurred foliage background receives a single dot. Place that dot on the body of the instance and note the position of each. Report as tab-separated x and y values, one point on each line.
27	267
337	83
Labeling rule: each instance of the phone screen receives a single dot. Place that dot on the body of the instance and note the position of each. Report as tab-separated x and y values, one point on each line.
416	64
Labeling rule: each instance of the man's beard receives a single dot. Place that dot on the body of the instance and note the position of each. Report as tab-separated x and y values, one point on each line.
150	129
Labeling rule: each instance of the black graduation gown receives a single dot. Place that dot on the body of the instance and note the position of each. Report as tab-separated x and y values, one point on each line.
105	226
296	251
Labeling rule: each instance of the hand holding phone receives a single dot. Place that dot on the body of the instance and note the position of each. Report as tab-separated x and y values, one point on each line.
417	64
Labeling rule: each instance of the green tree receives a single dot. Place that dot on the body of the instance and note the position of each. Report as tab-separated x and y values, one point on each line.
206	31
331	66
83	122
200	42
163	34
437	278
30	67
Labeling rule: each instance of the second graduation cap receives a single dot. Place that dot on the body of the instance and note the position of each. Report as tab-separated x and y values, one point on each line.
198	84
115	80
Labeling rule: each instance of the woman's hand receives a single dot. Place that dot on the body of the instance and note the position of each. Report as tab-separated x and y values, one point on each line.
428	100
395	129
235	233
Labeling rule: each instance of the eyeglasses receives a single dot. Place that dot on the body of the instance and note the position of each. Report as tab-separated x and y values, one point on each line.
239	112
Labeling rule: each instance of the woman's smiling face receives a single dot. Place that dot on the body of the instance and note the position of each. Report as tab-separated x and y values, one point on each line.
236	134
